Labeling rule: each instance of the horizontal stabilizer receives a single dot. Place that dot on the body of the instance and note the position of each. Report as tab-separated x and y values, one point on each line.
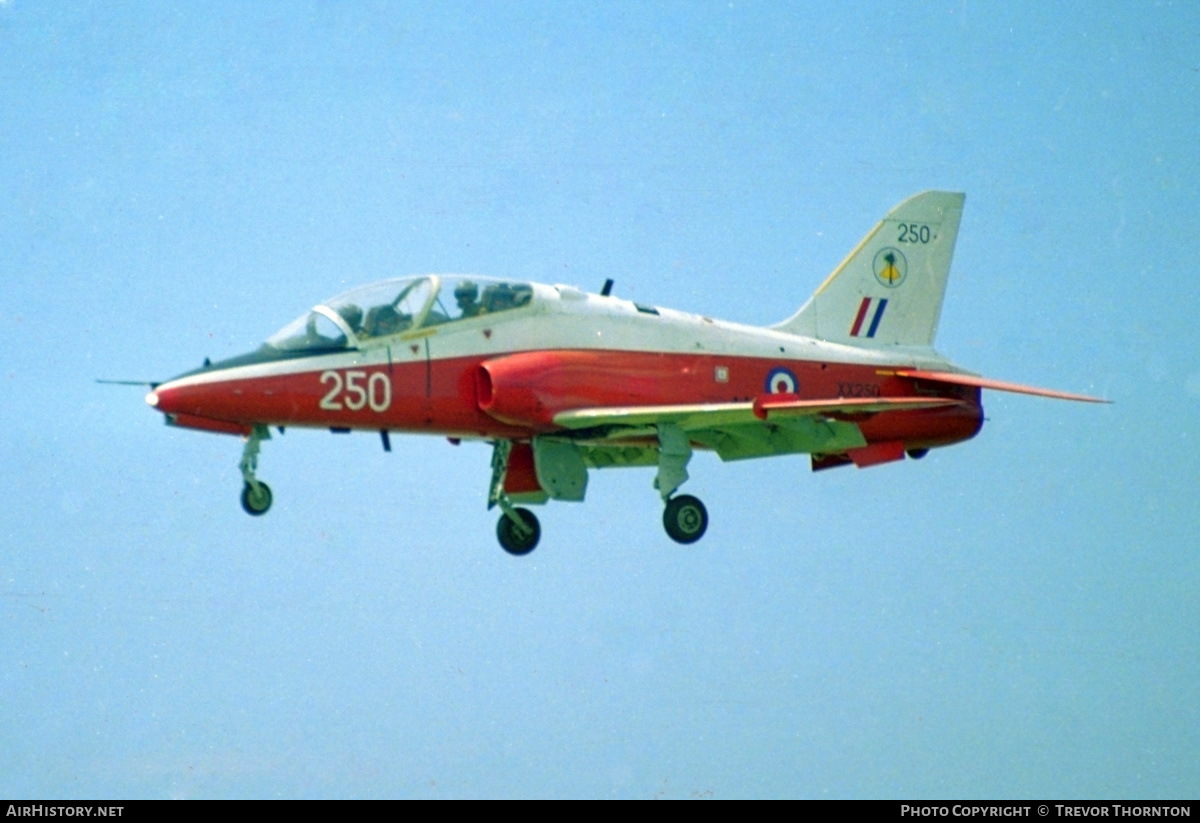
984	383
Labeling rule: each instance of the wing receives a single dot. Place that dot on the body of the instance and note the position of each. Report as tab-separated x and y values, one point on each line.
984	383
771	424
695	416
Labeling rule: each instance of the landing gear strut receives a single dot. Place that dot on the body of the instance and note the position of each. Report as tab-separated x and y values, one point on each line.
684	517
256	495
518	530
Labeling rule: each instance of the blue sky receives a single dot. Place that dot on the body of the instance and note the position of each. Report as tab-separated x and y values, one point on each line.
1012	617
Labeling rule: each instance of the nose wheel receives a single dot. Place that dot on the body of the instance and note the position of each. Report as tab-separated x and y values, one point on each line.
685	519
256	495
256	498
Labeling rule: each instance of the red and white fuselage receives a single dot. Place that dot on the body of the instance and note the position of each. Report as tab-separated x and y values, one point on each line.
508	373
561	381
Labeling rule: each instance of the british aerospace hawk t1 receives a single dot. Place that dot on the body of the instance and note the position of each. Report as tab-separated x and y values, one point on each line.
560	382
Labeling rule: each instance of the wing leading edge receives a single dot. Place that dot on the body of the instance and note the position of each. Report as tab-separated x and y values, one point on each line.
768	407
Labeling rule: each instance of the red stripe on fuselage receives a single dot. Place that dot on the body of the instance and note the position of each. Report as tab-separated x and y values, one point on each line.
529	388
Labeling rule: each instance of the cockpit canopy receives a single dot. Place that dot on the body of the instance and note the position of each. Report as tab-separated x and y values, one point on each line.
361	316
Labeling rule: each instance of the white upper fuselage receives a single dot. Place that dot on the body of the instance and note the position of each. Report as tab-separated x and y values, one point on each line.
566	318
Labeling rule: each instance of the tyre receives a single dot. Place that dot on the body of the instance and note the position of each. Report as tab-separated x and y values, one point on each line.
256	499
511	540
685	519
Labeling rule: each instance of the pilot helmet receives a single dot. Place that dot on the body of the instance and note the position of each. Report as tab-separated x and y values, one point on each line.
352	314
466	290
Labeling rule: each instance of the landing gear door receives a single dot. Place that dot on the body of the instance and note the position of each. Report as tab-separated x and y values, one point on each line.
560	468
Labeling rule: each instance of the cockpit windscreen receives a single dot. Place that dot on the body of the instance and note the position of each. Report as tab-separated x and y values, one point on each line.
394	307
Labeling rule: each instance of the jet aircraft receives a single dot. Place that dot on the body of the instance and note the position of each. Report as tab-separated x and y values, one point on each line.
561	382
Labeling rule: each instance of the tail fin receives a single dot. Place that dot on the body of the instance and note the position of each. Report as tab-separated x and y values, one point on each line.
889	290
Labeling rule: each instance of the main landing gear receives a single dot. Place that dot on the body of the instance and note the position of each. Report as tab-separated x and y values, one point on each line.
684	517
518	529
256	495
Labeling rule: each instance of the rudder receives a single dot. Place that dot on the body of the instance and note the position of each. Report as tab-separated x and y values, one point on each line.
889	290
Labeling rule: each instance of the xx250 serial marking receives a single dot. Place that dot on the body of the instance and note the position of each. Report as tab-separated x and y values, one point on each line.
377	393
858	389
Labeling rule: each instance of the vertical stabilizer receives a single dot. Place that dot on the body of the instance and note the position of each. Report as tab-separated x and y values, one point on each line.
889	290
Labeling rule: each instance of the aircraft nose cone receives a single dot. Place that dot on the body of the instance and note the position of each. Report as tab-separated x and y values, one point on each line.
166	399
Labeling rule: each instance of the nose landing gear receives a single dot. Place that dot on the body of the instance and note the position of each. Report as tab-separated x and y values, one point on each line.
256	498
256	495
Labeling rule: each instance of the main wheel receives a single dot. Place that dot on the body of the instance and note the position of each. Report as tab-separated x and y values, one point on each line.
256	499
685	519
514	542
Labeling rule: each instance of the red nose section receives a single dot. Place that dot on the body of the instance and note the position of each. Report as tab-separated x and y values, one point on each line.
189	421
181	405
192	400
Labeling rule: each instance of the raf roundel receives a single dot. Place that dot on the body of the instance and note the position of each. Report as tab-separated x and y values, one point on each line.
781	381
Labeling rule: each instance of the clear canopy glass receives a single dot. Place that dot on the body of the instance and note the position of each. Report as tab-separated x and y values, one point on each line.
383	310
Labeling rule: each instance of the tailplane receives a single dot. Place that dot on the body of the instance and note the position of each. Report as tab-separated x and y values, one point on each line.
889	290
